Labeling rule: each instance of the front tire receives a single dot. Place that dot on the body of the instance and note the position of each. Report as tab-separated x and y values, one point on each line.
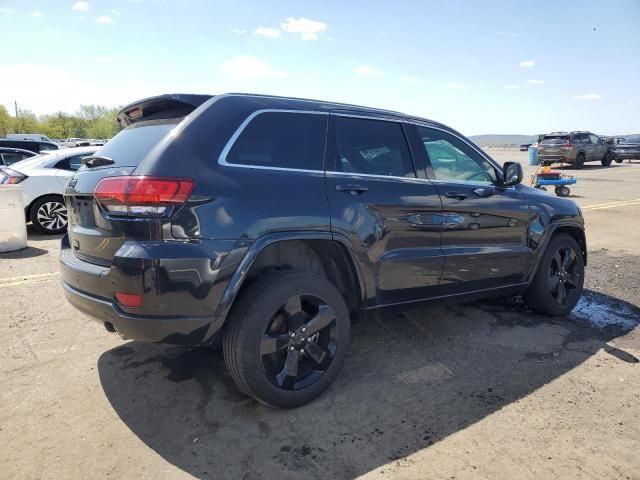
607	159
559	281
286	338
579	163
49	215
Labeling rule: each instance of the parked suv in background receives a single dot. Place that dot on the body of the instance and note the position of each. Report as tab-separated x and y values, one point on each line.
574	148
627	148
35	146
272	222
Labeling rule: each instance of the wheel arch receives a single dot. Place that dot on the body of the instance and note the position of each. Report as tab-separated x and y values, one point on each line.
575	230
318	252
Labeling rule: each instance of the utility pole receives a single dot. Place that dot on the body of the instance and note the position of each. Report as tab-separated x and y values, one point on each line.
15	104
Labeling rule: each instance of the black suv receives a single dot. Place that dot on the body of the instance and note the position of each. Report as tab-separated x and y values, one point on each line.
273	222
35	146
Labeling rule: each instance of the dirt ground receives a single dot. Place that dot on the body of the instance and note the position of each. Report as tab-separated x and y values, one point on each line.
478	390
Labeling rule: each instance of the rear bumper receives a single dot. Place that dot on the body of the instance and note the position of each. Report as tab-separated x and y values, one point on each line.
177	330
554	158
181	284
626	155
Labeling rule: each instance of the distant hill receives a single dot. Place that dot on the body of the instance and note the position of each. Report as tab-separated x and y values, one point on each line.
502	140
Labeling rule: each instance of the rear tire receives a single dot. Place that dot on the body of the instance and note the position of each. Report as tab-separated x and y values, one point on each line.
559	281
562	191
618	160
286	338
579	163
49	215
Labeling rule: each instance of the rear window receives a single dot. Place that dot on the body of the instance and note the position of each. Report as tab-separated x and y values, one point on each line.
631	140
550	140
281	140
133	143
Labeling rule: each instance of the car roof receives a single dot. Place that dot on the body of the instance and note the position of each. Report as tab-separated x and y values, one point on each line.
52	157
17	150
183	104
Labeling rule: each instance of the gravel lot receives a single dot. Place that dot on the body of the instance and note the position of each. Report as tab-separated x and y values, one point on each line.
479	390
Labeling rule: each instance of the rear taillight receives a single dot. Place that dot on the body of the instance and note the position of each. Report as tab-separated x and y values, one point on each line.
568	146
10	177
142	196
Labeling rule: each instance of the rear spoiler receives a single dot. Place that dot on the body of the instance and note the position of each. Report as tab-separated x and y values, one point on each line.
162	106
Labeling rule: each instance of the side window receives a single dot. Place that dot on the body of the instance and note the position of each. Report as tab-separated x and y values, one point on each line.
11	158
75	162
594	139
281	140
374	147
71	163
453	160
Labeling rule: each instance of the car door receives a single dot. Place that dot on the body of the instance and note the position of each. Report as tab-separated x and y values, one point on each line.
484	235
391	216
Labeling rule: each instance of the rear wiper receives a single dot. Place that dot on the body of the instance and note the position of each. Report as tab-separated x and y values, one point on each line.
97	161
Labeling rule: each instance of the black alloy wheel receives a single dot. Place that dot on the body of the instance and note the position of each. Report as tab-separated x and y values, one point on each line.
299	342
563	280
286	337
559	279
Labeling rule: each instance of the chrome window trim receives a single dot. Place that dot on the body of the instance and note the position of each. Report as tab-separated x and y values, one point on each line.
459	137
222	159
381	177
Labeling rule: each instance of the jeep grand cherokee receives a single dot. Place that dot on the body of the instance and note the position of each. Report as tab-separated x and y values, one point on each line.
272	222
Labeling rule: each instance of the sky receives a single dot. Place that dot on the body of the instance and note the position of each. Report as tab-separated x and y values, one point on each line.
480	67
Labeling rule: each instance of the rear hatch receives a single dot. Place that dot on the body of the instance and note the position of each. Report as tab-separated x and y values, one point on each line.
553	145
124	206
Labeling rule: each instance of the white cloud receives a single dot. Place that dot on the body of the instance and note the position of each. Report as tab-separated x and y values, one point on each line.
457	85
368	71
114	12
80	7
246	66
412	80
307	29
588	96
7	11
37	14
267	32
528	64
536	82
238	31
510	87
104	19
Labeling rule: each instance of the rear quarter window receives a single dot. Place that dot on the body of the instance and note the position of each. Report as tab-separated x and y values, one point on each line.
281	140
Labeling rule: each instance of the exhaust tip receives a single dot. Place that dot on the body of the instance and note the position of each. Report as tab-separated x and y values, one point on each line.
109	327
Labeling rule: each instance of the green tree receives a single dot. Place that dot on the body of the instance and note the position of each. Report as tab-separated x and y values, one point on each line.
6	122
26	122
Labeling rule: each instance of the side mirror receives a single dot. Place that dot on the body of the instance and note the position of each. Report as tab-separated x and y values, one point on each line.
512	173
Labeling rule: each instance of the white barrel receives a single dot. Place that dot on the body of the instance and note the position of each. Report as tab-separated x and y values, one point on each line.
13	226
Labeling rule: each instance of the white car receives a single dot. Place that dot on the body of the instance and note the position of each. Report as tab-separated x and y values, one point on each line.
43	180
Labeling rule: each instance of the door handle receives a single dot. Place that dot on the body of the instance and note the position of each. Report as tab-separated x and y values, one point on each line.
351	188
484	191
457	195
